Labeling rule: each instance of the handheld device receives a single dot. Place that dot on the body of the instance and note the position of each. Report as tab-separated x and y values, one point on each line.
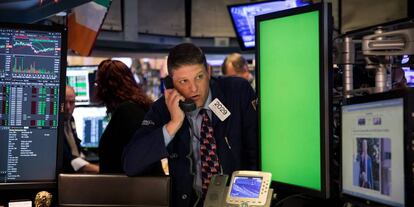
187	105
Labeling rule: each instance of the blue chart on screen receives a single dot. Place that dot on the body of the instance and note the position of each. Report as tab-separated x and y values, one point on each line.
246	187
91	122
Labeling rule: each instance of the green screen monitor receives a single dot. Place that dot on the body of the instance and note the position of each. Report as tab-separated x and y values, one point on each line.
294	80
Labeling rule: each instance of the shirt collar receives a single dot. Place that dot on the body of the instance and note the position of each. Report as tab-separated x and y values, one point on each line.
208	101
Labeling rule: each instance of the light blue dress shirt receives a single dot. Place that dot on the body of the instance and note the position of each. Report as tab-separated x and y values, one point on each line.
195	119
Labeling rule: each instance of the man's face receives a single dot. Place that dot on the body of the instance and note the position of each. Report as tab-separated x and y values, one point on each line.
192	82
69	102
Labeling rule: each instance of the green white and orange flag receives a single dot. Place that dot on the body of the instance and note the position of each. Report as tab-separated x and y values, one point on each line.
84	23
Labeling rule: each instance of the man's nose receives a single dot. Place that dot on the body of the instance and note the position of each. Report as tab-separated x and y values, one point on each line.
193	87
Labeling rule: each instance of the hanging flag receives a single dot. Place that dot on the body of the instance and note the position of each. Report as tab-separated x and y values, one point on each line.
83	25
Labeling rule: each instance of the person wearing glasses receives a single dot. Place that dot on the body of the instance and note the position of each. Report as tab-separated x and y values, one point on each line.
73	158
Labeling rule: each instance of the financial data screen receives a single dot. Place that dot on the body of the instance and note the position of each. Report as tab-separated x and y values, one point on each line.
90	124
246	187
81	78
30	65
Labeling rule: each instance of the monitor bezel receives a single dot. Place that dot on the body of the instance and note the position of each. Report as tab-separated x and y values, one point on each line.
45	184
238	35
80	66
326	83
408	104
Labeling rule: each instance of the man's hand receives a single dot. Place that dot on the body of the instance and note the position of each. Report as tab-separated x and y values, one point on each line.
172	98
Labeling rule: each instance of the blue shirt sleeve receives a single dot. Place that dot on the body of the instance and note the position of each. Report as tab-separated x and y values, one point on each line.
167	137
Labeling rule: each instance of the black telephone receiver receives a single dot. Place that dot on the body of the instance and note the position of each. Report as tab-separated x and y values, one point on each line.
188	105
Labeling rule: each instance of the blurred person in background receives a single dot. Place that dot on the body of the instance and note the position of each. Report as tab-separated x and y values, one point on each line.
73	158
235	65
126	105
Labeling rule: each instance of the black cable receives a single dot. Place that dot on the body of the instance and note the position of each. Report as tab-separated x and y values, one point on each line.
289	197
192	129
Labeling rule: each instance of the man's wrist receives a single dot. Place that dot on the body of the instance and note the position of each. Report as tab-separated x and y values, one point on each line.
172	127
78	163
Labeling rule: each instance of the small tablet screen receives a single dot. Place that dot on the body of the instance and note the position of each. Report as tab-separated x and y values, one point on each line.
246	187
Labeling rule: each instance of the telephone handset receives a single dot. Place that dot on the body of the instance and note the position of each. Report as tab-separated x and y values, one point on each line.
247	188
187	105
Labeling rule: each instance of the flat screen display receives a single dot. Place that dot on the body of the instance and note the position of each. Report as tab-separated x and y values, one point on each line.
81	78
246	187
294	110
32	68
373	151
408	71
90	122
242	16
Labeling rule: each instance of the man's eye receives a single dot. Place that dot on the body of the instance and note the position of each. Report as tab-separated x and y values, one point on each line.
182	81
200	76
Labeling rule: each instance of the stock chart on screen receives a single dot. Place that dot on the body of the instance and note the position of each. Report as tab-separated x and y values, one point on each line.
30	83
29	68
33	55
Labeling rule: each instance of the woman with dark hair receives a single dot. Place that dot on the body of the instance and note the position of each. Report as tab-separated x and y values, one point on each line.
126	104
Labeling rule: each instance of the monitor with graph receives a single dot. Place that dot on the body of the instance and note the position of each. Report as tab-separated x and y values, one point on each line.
81	78
32	69
90	124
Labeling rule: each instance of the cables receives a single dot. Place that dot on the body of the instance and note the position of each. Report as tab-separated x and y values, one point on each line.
287	198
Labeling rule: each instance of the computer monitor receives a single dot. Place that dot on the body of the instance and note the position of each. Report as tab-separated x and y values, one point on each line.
377	149
295	113
242	17
82	79
90	122
32	69
408	70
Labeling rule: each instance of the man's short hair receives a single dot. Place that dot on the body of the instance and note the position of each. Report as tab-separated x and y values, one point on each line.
238	62
185	54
